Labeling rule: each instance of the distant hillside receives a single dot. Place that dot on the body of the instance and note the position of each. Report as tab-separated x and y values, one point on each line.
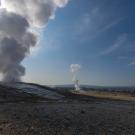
101	88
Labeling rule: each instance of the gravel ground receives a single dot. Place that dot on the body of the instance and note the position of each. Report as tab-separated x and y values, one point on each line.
67	118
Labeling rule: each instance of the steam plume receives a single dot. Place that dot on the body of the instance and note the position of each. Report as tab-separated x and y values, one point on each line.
18	21
74	69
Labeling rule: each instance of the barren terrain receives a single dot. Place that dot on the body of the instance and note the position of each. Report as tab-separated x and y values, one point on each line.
77	115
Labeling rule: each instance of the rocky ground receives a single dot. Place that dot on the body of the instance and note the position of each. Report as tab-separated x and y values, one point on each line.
74	116
67	118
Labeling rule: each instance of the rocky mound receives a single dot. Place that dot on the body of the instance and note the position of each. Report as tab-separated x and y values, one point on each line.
8	94
24	91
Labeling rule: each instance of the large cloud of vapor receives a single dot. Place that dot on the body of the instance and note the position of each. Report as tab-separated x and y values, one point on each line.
19	24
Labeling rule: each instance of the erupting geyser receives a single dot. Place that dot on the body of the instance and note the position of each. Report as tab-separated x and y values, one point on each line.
77	85
20	23
74	69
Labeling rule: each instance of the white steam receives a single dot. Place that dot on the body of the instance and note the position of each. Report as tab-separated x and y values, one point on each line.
74	68
18	21
37	12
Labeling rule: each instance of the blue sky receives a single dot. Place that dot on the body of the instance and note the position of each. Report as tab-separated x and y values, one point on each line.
98	35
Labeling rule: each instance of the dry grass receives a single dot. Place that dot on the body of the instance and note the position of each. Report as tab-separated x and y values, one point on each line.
107	95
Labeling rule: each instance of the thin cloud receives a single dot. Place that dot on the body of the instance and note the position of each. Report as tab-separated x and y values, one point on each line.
118	43
112	24
131	63
122	57
96	22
